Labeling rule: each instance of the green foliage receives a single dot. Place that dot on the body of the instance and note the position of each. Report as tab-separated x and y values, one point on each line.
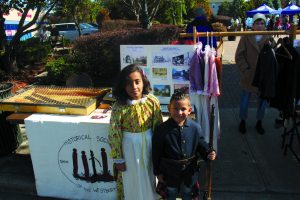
23	6
174	11
111	25
59	70
276	4
268	3
76	11
2	75
117	9
256	3
224	9
225	20
237	9
99	54
32	51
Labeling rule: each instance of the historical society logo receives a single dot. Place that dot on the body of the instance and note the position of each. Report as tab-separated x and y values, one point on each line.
84	162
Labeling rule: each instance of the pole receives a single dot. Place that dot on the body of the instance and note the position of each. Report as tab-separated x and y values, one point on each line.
238	33
207	193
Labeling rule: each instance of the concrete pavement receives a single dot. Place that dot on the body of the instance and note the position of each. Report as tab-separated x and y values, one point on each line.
249	166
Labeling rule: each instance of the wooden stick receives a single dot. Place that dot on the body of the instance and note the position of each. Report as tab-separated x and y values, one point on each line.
207	194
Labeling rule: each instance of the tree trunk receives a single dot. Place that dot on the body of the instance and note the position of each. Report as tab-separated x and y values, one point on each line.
145	16
2	32
3	60
9	62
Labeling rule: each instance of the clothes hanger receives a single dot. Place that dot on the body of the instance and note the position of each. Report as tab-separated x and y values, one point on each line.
207	38
288	54
211	41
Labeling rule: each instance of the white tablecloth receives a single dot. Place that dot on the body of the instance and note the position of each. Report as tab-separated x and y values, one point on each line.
70	155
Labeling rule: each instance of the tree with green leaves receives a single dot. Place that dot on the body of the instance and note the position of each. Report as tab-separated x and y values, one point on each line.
268	3
144	10
133	9
180	11
237	9
256	3
7	49
224	9
77	11
276	4
174	12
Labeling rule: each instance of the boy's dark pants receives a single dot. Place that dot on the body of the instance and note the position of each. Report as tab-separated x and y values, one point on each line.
185	191
179	175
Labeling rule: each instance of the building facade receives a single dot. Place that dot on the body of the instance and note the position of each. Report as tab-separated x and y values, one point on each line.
12	22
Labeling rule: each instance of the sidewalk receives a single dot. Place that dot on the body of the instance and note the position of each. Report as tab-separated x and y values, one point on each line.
248	167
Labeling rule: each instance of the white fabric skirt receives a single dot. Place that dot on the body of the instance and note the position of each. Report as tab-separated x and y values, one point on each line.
203	104
138	179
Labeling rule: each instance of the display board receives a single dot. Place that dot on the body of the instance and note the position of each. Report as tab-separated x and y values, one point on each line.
71	155
166	66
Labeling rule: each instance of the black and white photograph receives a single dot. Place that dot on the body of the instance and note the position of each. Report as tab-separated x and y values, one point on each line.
135	59
178	60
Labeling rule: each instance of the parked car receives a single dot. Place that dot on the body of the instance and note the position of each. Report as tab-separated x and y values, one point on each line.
70	31
94	24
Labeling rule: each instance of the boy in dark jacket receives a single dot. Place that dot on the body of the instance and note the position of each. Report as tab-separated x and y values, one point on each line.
176	145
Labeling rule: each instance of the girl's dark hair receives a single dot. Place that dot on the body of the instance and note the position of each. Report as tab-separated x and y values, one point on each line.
120	92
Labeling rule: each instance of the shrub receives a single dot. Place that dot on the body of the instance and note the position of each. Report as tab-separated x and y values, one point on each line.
2	75
219	27
225	20
59	70
32	51
99	54
111	25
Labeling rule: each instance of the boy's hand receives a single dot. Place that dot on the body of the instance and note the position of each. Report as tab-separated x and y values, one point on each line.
212	155
121	167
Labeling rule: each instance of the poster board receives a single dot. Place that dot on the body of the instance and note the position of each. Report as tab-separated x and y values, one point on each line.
71	156
166	66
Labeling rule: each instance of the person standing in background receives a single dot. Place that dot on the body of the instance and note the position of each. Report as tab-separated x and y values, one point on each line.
202	25
246	57
244	24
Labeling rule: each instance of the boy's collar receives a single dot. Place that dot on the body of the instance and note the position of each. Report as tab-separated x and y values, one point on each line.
186	123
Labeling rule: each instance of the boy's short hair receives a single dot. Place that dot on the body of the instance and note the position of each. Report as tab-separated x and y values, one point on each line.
180	95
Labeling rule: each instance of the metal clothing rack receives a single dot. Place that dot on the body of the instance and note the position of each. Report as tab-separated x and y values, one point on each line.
291	133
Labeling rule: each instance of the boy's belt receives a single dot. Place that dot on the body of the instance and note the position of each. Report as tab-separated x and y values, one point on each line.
177	165
183	161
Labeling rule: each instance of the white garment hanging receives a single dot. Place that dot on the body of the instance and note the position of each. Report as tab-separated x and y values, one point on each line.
203	104
206	68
